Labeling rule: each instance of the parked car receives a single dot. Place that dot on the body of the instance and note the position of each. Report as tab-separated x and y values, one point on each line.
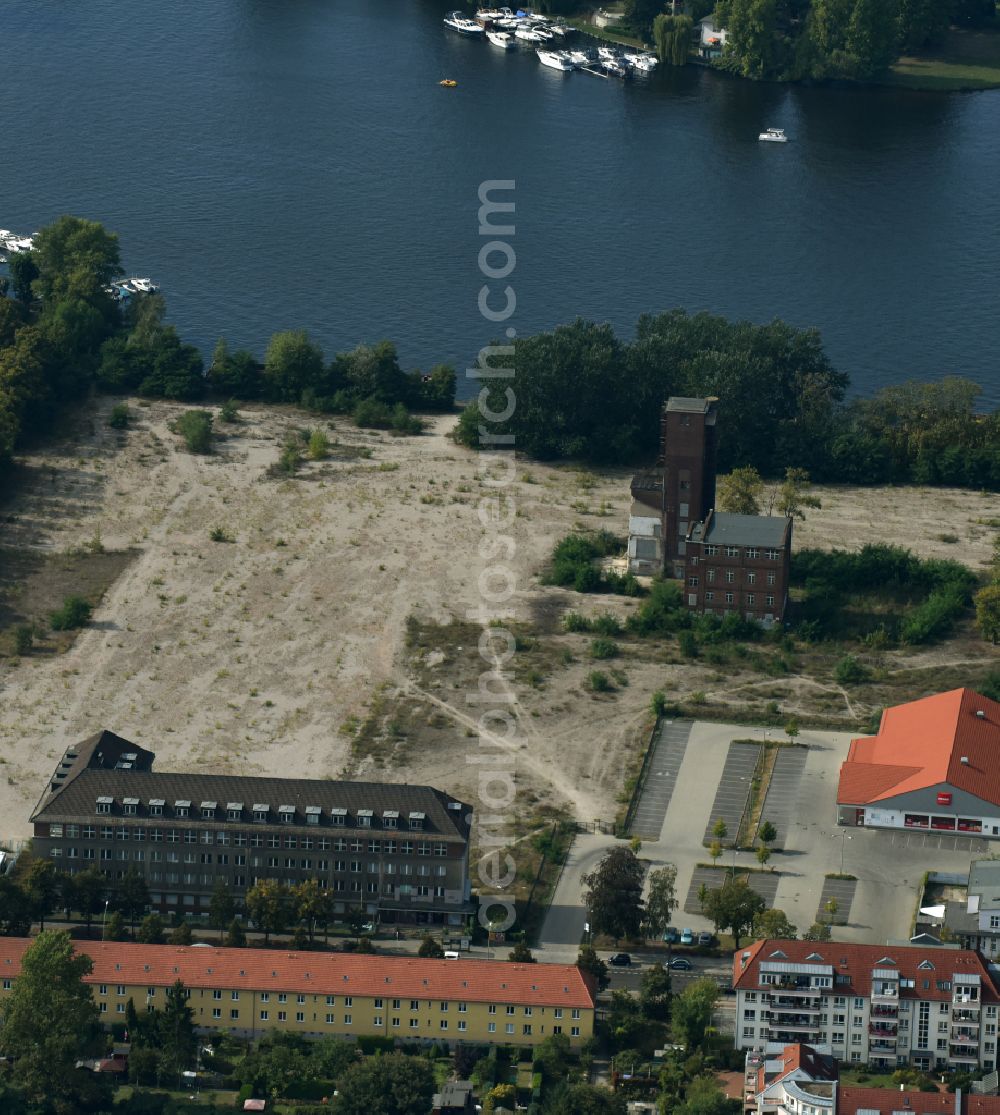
671	936
621	960
706	939
681	964
687	936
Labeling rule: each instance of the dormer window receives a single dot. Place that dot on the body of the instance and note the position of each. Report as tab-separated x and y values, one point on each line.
926	965
182	808
260	812
417	822
104	805
286	814
208	809
313	814
338	816
234	810
129	806
390	819
365	818
156	807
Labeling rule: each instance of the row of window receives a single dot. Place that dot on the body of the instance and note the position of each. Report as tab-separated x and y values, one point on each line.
353	867
262	814
752	552
751	576
749	598
224	838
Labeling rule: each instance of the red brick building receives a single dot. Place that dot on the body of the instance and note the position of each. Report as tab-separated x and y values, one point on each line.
739	564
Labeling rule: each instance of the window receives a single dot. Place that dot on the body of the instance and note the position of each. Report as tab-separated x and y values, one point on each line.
509	1028
234	1013
216	1012
575	1013
104	805
574	1031
750	598
711	551
444	1024
235	995
329	1020
770	578
729	598
732	551
710	575
709	597
730	576
300	1016
772	555
751	578
693	582
769	601
263	1016
753	552
282	1015
216	994
491	1027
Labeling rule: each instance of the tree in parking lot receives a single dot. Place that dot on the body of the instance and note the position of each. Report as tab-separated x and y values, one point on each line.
763	854
774	924
714	850
767	833
720	830
733	907
614	894
661	900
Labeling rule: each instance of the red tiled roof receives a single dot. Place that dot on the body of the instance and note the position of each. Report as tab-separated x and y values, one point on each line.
858	961
980	1105
320	973
851	1100
804	1057
921	745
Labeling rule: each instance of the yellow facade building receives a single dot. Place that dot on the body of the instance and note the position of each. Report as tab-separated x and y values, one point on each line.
253	992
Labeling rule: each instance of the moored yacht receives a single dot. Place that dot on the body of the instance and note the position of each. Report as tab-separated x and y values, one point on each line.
579	58
460	23
773	135
645	63
555	59
615	67
490	15
607	54
502	39
528	35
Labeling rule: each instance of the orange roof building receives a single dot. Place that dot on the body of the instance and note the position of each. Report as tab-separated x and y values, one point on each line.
934	765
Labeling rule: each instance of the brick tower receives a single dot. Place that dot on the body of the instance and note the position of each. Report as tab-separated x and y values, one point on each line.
687	456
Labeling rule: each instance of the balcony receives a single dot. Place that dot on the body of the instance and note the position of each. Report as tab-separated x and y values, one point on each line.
965	1015
964	1037
965	1002
885	995
883	1011
797	1006
790	987
883	1045
791	1035
964	1054
882	1030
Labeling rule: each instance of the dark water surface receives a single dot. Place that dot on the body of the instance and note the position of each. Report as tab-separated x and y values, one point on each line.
280	164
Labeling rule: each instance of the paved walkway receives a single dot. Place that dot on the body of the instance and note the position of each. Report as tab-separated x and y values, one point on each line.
564	923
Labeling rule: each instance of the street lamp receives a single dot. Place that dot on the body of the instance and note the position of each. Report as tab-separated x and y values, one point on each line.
104	923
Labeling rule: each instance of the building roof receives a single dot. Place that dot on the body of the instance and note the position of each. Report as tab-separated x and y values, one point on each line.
984	879
806	1060
936	741
686	404
723	528
76	797
852	966
323	973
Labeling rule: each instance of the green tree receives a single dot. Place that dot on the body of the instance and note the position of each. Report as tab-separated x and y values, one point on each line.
502	1096
521	954
614	894
767	833
588	961
151	930
76	259
291	365
143	1066
587	1099
763	854
733	907
818	931
654	992
90	893
392	1084
373	372
792	728
692	1012
720	830
774	924
661	899
131	896
740	491
181	934
704	1096
235	937
437	388
15	909
177	1040
74	613
114	928
714	850
313	906
872	36
987	602
430	948
267	907
41	886
222	907
794	494
196	428
672	35
319	445
50	1021
640	14
23	272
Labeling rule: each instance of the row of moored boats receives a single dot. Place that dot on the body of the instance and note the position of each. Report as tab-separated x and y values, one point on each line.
11	242
122	289
506	29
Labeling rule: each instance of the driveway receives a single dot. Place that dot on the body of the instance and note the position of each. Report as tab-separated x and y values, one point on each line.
564	923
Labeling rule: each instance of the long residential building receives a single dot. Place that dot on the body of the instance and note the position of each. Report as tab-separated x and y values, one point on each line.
252	992
884	1005
398	852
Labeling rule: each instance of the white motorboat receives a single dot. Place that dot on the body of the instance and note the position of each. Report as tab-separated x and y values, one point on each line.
773	135
645	63
579	58
460	23
555	59
528	35
561	29
546	34
503	39
607	54
615	67
489	15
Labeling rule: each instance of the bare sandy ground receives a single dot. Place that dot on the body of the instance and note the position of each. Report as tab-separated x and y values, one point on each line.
262	655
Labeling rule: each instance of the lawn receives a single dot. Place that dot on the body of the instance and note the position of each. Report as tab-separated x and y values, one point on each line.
966	60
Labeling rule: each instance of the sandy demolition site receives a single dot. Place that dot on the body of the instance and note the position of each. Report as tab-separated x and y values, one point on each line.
287	651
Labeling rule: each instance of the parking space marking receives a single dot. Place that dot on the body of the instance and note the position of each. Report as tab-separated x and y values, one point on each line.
664	764
734	785
764	883
842	892
782	792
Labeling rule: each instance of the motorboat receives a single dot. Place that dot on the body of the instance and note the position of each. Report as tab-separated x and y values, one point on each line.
607	54
541	29
615	67
529	35
463	25
561	29
502	39
579	58
645	63
773	135
490	15
555	59
448	83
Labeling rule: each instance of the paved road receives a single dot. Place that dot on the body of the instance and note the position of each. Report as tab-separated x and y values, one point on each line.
668	754
564	923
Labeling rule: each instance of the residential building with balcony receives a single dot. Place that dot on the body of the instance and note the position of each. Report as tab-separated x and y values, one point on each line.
398	852
872	1004
253	992
930	768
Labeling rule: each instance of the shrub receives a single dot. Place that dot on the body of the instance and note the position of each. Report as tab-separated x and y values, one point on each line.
24	638
599	682
574	622
220	534
603	648
74	613
688	644
319	445
195	427
228	411
850	671
118	418
606	624
658	703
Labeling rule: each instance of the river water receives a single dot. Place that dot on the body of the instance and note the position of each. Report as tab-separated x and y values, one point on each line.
279	164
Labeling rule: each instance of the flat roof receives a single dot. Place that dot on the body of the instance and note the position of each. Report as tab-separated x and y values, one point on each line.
724	528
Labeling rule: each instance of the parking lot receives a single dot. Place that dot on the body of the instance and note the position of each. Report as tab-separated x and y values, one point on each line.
782	793
935	841
733	788
668	754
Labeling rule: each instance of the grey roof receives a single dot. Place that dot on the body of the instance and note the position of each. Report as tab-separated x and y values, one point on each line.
688	405
647	482
76	797
984	879
723	528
